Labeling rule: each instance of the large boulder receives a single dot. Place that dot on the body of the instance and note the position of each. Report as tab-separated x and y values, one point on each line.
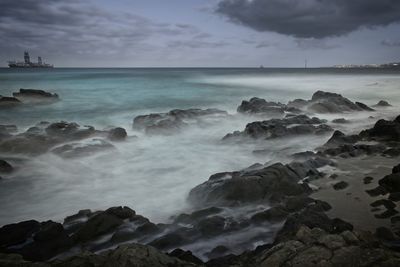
255	185
102	223
383	130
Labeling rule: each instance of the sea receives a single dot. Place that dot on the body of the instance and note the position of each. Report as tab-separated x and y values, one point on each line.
154	174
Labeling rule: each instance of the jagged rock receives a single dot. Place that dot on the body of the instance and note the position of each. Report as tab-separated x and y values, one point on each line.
364	107
383	130
117	134
339	138
256	185
84	149
69	131
275	128
173	121
332	241
17	233
102	223
326	102
260	106
196	215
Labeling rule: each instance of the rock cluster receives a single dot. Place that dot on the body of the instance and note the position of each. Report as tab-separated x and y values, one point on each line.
63	138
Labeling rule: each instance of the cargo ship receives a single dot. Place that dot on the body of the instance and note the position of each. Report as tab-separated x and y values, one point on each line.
28	64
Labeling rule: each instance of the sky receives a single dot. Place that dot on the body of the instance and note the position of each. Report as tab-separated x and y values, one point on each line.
200	33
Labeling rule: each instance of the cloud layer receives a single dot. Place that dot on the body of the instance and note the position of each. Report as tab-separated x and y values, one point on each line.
310	18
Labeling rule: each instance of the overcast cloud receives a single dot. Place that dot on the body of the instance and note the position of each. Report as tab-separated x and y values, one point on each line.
200	33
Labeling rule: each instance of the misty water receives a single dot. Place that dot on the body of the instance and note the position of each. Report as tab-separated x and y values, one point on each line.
153	174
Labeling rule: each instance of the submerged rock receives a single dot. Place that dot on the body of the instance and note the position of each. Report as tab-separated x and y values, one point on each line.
35	96
171	122
7	102
88	148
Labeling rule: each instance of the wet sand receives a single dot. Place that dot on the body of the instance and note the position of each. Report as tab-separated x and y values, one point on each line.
353	203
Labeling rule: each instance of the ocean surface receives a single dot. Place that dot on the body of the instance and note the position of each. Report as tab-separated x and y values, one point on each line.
153	174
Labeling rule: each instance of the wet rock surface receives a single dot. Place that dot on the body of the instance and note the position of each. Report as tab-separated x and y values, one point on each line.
44	136
35	95
173	121
278	128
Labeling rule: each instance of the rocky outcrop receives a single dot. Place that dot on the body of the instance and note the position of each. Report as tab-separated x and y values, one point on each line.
35	96
383	130
173	121
231	188
44	136
276	128
326	102
262	107
382	103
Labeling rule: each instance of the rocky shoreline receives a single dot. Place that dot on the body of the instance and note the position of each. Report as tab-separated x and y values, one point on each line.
273	214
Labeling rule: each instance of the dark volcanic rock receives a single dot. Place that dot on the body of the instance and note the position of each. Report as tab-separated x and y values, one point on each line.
274	214
364	107
384	130
339	138
173	121
13	234
85	149
185	256
117	134
260	106
35	95
382	103
255	185
5	167
6	102
340	185
103	223
275	128
326	102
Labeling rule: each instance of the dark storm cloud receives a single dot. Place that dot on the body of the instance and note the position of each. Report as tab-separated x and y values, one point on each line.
310	18
79	28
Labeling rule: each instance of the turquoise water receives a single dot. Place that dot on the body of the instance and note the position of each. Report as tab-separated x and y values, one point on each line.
153	175
102	95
